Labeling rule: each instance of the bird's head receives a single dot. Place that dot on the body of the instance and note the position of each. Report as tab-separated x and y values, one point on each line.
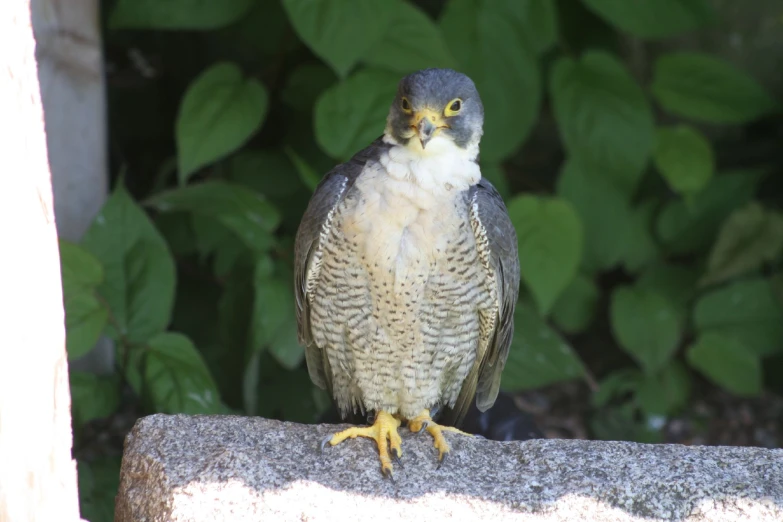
433	105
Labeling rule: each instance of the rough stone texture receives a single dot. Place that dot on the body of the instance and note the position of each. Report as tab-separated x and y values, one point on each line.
235	468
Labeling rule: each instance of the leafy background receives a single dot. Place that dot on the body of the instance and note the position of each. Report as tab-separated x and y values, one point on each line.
642	175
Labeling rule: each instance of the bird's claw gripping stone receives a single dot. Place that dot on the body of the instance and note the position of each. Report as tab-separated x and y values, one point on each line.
423	422
383	432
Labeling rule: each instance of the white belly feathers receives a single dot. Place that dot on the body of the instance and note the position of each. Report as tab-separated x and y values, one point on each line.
405	204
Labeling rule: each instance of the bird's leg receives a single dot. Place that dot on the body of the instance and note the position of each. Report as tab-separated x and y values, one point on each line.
383	431
424	421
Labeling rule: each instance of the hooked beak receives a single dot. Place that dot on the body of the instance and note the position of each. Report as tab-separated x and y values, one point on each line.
427	123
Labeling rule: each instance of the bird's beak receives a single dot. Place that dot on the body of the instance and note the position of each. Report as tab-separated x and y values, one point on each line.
427	122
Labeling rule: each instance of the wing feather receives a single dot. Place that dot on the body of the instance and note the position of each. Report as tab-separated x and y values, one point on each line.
496	235
314	226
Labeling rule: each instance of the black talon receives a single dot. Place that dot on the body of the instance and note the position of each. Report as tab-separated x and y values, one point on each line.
441	460
325	442
397	457
424	426
387	473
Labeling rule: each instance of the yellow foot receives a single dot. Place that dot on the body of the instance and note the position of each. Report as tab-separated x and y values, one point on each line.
424	421
384	429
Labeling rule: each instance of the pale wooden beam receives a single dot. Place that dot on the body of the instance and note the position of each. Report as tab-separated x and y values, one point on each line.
37	473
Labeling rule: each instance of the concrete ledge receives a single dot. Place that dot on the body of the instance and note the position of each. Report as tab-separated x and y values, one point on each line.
212	468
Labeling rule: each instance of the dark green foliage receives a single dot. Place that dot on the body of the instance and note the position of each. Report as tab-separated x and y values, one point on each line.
638	235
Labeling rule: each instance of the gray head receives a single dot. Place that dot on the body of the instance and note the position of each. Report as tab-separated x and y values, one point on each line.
436	102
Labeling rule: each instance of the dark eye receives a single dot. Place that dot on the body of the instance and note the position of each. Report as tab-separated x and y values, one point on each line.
406	105
453	107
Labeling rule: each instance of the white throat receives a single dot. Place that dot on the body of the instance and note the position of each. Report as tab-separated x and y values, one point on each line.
441	167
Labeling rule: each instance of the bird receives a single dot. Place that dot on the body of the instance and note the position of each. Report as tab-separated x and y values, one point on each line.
406	271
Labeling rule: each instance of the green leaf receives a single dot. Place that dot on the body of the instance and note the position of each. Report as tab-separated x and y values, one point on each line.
666	392
230	353
98	484
641	250
341	32
285	347
490	41
275	174
603	210
539	21
495	174
246	213
623	422
176	377
646	324
307	174
80	270
727	363
655	18
292	396
272	304
140	278
250	381
274	319
219	113
538	355
269	172
550	245
684	158
616	385
305	84
352	113
149	286
177	229
85	320
575	309
85	317
215	239
176	14
745	310
605	120
262	34
750	237
705	88
93	396
676	283
776	282
688	227
411	42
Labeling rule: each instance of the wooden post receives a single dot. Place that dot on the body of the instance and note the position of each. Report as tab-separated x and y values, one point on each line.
37	473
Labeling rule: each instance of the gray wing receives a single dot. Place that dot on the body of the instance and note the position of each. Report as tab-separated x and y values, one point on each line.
315	222
495	237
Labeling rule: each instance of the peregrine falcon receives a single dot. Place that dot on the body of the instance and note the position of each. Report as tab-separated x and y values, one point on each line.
407	271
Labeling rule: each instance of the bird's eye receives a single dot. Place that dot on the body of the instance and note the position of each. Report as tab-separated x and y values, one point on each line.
453	107
406	105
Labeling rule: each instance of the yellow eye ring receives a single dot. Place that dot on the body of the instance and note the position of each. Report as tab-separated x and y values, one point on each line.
453	107
406	105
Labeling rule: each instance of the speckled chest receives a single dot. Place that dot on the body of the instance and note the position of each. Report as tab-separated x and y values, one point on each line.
401	286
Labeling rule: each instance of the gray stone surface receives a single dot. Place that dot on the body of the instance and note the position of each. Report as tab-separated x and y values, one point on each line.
233	468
